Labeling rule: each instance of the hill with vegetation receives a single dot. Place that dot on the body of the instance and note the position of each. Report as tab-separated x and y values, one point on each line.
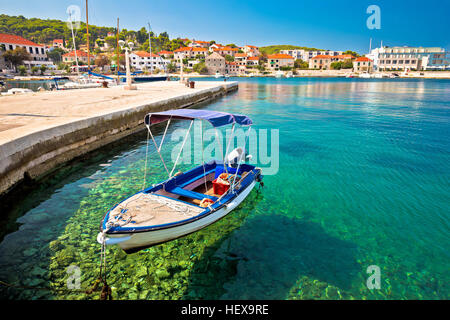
43	31
277	48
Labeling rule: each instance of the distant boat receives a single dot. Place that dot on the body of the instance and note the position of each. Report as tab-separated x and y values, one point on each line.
279	74
218	75
289	74
13	91
365	75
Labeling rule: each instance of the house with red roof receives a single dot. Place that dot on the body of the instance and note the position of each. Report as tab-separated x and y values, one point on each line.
71	57
321	61
37	52
166	54
253	61
223	51
279	60
363	64
199	44
251	51
58	43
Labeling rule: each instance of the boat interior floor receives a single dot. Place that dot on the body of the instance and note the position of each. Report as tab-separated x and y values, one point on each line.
144	209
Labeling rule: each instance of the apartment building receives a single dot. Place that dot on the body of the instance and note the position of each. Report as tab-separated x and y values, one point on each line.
141	60
189	52
410	58
307	55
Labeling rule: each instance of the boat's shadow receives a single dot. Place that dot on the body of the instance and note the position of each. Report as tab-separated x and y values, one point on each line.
265	258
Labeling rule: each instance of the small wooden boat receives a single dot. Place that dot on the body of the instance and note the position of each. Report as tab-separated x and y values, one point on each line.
185	202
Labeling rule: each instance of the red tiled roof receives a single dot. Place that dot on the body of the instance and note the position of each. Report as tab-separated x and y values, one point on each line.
241	55
344	56
251	46
253	58
279	56
184	49
18	40
80	53
145	54
226	49
322	56
58	41
198	41
363	59
165	52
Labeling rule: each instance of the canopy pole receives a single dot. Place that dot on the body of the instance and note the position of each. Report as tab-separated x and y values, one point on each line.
164	135
156	146
181	150
203	161
240	160
228	146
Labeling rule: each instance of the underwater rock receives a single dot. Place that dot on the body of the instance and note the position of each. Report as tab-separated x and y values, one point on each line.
30	252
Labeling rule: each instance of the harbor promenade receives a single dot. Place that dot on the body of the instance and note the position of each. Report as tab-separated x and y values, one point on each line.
39	131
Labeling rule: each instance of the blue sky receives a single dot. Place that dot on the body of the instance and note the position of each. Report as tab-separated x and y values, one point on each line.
325	24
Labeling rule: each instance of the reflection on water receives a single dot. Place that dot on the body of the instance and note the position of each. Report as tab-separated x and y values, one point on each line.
363	180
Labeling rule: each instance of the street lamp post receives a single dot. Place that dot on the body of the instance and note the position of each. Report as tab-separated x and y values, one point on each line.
127	47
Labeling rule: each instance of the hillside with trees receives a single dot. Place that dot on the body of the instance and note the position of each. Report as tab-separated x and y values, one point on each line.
43	31
277	48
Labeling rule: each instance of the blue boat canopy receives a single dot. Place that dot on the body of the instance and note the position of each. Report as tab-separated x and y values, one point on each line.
216	118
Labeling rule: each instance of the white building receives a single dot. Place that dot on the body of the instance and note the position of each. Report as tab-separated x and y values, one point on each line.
37	52
307	55
141	60
412	58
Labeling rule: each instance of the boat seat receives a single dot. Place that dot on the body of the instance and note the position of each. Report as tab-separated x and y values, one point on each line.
191	194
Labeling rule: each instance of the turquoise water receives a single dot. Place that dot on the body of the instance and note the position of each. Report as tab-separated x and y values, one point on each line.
363	180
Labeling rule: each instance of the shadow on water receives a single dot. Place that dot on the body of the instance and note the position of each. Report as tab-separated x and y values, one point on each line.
266	256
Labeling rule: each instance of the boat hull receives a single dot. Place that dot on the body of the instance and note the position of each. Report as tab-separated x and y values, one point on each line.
136	241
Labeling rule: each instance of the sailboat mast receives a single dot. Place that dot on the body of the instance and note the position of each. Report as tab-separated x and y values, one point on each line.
117	48
87	36
74	44
150	45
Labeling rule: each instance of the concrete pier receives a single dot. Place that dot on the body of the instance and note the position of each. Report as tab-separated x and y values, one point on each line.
40	131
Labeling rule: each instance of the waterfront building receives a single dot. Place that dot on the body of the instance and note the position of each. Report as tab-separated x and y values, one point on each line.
409	58
37	52
143	60
363	64
82	56
215	63
277	61
231	68
321	61
307	55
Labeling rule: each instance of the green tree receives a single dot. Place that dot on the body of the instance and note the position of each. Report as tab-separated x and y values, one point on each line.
34	70
300	64
337	65
43	68
111	41
22	70
229	58
347	64
353	53
101	61
171	68
55	55
17	56
201	68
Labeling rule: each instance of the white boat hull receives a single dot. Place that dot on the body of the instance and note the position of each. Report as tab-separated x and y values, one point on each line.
132	242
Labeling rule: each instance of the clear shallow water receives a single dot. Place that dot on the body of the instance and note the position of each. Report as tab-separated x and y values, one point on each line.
363	180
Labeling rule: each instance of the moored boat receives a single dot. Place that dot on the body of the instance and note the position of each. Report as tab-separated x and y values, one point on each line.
185	202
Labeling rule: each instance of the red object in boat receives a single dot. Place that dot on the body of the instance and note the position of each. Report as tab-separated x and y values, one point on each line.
220	186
